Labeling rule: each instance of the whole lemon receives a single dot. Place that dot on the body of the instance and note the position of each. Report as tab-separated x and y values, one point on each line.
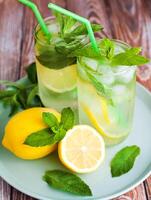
22	125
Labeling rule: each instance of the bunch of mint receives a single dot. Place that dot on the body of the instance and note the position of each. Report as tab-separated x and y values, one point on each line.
107	54
21	95
72	36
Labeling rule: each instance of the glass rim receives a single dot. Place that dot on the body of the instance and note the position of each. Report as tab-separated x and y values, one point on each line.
42	42
128	68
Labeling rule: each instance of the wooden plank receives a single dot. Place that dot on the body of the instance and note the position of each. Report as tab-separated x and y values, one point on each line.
5	190
10	45
128	23
10	40
148	187
94	10
29	22
131	22
136	194
16	195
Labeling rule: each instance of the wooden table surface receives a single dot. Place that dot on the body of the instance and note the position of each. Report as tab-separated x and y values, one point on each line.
128	20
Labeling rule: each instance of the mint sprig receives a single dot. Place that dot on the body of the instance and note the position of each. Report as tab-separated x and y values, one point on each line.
72	36
19	95
130	57
107	54
54	132
124	160
67	182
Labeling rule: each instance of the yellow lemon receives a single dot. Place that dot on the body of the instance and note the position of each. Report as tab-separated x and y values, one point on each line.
22	125
82	150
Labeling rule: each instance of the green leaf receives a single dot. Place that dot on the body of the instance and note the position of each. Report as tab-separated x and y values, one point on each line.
60	20
129	58
67	182
32	73
11	84
6	93
50	119
107	47
33	99
67	118
124	160
69	22
40	138
68	48
53	58
59	133
15	106
82	30
101	88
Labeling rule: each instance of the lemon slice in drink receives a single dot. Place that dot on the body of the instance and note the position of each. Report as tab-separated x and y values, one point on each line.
109	138
82	150
62	80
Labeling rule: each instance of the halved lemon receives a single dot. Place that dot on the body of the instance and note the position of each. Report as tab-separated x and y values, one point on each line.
61	80
82	150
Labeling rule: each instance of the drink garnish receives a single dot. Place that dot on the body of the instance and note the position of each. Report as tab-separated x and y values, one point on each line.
21	95
56	130
124	160
66	181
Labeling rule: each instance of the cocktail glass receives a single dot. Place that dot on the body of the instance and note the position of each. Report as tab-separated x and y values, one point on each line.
57	75
106	96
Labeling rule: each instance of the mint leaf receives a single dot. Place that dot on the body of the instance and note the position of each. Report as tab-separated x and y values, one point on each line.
52	58
102	89
15	106
67	182
129	58
56	130
32	73
23	95
50	119
40	138
59	133
6	93
82	30
60	20
68	48
124	160
67	118
11	84
107	47
33	99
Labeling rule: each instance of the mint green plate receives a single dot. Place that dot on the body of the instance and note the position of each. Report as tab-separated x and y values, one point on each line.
26	176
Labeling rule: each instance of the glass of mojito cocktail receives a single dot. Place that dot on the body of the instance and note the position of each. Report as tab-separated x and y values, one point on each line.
56	73
56	65
106	94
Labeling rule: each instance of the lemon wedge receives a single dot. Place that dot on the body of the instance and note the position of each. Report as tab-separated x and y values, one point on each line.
82	150
59	81
109	138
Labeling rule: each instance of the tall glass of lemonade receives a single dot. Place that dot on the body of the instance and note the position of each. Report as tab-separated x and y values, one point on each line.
106	95
57	75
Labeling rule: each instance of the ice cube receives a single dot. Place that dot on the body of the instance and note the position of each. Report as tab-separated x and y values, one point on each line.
91	63
120	93
106	74
108	80
124	74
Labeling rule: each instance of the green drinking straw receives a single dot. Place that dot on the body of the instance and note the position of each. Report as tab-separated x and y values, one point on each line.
38	16
78	18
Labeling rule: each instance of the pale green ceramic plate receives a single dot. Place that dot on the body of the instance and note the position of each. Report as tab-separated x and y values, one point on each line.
26	176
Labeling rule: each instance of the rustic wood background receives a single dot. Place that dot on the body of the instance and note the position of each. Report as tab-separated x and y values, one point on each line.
128	20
